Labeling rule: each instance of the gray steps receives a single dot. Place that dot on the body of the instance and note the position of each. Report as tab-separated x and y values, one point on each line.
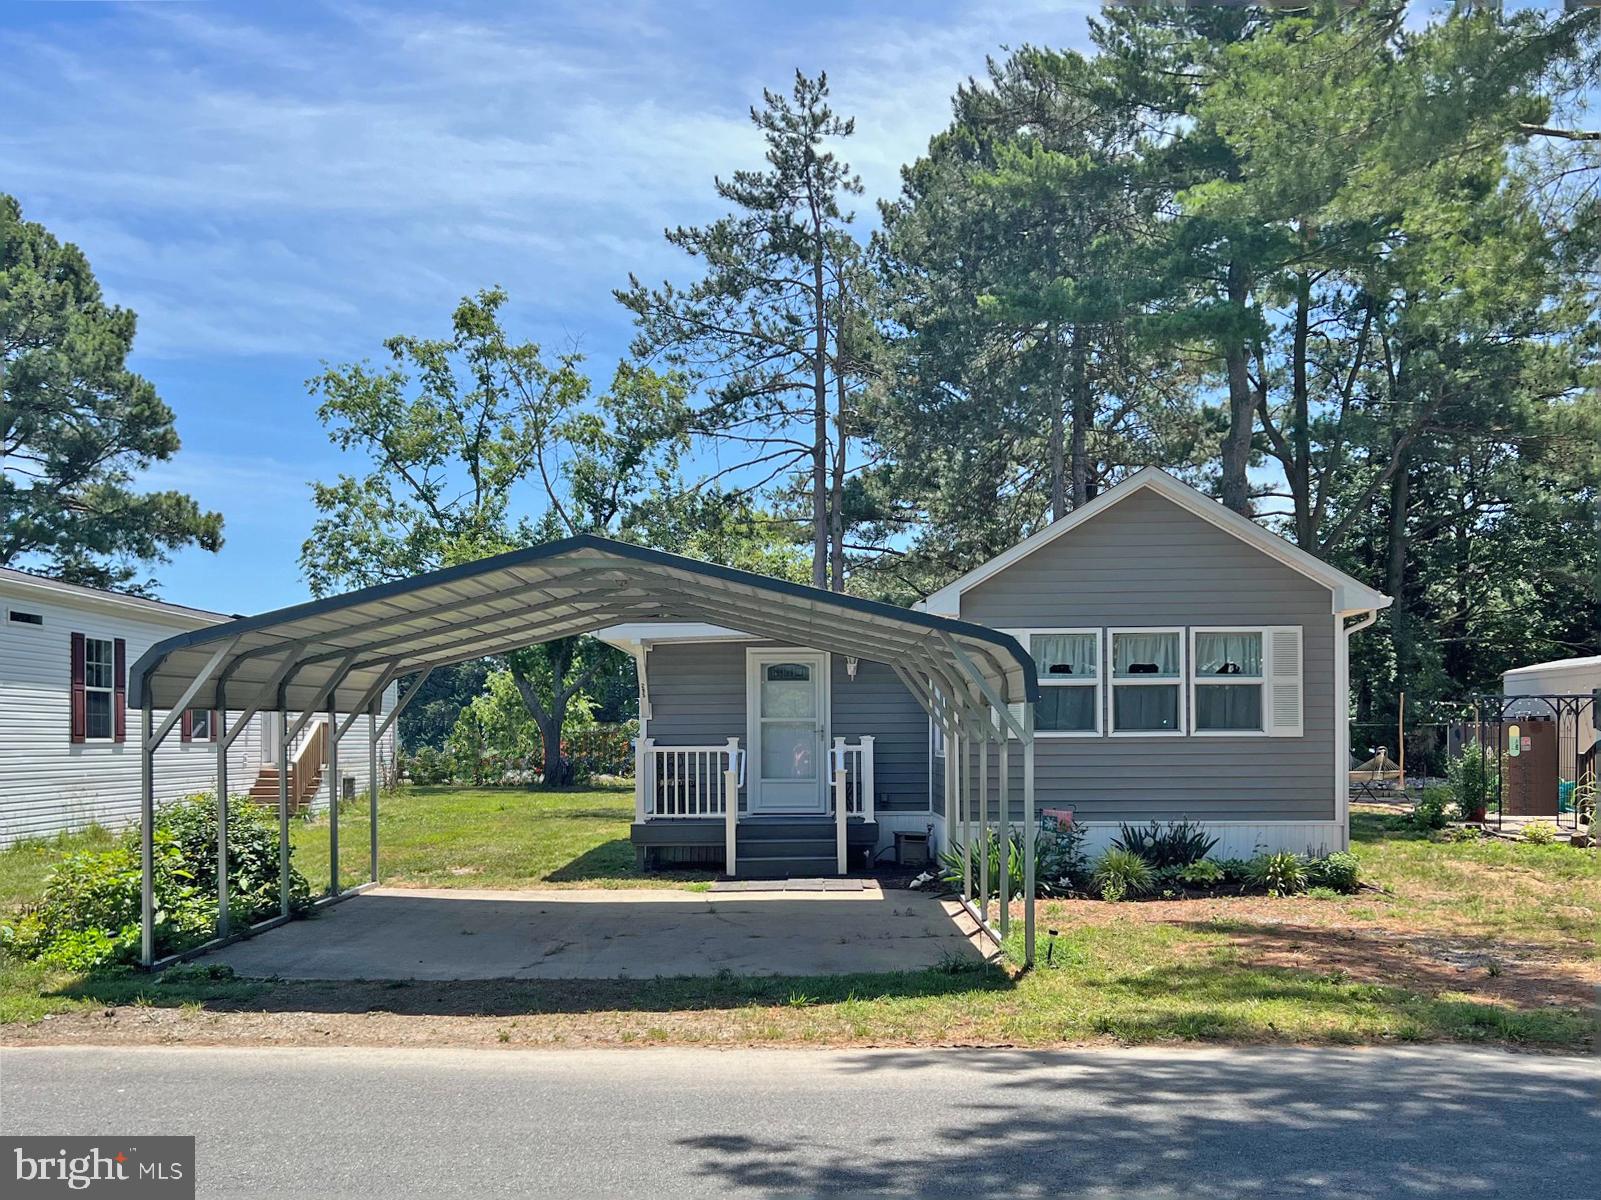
784	866
779	848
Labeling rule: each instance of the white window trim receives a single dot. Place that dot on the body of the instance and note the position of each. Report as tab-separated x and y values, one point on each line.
1101	642
110	692
1262	631
195	736
1113	683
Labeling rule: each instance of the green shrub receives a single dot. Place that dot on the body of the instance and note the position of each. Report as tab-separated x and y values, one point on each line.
1202	873
1166	844
89	914
1474	782
428	765
1339	871
1539	833
1121	872
1432	810
1280	873
1235	870
1059	864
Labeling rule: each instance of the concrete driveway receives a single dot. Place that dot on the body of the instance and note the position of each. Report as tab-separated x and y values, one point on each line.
404	933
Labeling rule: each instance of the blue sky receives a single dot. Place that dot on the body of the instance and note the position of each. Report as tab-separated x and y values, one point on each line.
270	186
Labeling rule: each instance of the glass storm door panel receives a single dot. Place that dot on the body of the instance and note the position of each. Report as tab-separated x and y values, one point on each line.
788	737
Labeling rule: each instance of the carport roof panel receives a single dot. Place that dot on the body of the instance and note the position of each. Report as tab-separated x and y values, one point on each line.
526	596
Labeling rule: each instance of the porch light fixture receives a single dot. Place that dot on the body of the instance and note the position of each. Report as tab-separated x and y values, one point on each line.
850	666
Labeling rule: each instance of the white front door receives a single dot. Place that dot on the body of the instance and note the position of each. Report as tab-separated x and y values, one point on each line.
786	698
271	726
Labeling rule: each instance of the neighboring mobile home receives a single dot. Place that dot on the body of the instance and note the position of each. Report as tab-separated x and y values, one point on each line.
69	752
1193	666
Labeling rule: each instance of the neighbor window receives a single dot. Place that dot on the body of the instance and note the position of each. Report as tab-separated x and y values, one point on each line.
99	688
1068	662
1228	678
1147	680
200	724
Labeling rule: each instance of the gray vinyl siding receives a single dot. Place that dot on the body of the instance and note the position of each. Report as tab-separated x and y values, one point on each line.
697	698
1148	562
48	784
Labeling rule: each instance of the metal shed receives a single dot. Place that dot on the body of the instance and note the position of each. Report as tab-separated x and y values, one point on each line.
337	655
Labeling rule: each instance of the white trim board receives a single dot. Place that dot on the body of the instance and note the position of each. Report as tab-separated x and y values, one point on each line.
1349	595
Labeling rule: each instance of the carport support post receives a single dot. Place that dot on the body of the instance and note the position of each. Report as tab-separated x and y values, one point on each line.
147	833
730	807
283	811
1003	888
1029	834
964	807
837	760
333	794
220	713
372	791
984	822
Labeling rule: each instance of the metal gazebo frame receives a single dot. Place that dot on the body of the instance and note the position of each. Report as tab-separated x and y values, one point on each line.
1560	707
337	655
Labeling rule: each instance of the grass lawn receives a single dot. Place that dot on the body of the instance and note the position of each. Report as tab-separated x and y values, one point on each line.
1493	942
490	838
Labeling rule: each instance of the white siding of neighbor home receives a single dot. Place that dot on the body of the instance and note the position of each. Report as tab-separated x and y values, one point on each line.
48	784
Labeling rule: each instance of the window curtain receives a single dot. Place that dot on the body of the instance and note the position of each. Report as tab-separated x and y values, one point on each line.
1064	655
1229	706
1228	654
1145	708
1131	650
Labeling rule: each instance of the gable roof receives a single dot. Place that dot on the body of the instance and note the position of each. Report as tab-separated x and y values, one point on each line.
59	591
1349	595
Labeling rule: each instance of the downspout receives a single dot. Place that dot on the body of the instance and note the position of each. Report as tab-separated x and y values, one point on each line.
1342	752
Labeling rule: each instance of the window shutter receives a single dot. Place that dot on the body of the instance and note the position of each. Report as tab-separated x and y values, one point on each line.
214	724
1284	681
79	722
119	703
186	726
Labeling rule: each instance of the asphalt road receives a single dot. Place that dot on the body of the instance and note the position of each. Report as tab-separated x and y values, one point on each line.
661	1123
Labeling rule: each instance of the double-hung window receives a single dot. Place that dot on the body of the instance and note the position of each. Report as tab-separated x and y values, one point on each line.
200	725
1147	682
1229	676
1068	663
99	688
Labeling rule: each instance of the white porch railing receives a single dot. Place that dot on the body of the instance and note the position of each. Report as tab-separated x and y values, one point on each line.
686	781
852	768
857	764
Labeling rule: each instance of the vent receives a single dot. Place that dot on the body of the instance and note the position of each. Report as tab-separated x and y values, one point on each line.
24	618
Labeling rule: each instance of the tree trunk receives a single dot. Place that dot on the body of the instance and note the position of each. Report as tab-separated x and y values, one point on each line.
1395	574
1242	404
819	423
556	770
836	491
1083	417
1299	468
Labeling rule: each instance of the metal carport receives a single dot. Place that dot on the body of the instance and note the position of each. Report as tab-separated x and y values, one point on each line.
337	655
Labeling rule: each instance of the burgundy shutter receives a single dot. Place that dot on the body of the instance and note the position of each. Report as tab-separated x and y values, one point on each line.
214	723
119	702
79	723
186	726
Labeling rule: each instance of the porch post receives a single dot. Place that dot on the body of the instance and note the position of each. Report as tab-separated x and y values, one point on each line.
641	758
147	833
837	759
283	809
333	794
730	807
1028	835
221	716
1003	830
866	780
372	790
984	820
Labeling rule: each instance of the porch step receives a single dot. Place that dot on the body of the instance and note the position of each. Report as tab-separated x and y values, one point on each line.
784	866
812	847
